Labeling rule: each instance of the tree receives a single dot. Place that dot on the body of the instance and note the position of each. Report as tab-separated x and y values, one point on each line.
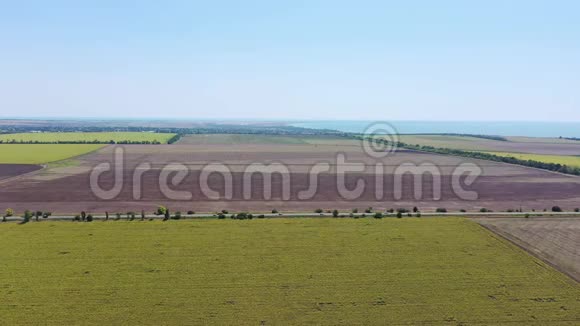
556	209
335	213
318	210
378	215
274	211
221	216
399	214
415	209
355	210
369	210
441	210
577	210
190	212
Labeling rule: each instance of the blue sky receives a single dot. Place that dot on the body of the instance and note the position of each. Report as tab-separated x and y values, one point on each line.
387	60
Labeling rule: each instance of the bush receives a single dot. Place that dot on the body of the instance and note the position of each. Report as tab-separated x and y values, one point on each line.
351	215
9	212
261	216
390	211
418	214
224	211
355	210
399	214
463	211
577	210
241	216
221	216
77	218
318	210
117	216
378	215
83	216
415	209
130	216
142	215
161	210
190	212
441	210
46	214
369	210
483	210
27	215
176	216
556	209
335	213
89	218
274	211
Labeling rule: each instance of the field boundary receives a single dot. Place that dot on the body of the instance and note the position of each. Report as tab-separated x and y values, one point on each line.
527	247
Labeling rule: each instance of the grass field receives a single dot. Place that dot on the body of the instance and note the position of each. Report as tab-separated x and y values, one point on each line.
88	137
274	272
558	159
42	153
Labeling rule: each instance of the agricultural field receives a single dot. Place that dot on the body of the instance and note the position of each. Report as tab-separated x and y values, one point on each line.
543	146
276	271
12	170
558	159
65	188
552	239
248	139
87	137
42	153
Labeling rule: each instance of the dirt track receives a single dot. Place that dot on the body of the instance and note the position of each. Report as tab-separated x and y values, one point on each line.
553	239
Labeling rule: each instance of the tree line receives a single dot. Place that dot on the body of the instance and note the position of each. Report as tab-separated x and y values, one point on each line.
556	167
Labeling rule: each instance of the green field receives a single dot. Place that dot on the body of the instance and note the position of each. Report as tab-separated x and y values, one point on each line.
244	139
446	141
275	272
42	153
558	159
87	137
